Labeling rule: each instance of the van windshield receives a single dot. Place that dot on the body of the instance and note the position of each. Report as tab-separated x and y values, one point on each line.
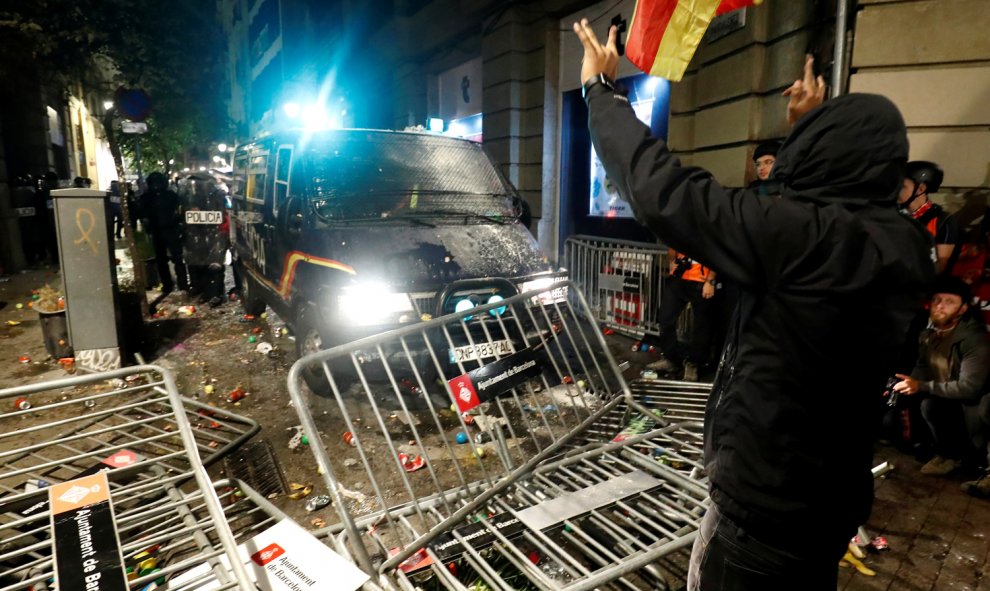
374	175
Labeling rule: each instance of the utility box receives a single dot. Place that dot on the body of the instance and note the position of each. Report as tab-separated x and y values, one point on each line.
89	276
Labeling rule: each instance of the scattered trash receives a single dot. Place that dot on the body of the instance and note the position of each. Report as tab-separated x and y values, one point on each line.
209	389
608	332
350	463
635	346
13	322
479	451
550	408
252	339
852	557
349	439
567	380
24	359
247	318
264	348
296	440
19	306
214	444
299	490
649	374
256	330
468	418
89	403
462	437
353	495
318	522
318	502
22	403
879	544
236	394
623	366
406	418
411	463
187	310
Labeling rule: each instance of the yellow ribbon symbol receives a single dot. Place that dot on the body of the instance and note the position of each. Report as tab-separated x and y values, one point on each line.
85	232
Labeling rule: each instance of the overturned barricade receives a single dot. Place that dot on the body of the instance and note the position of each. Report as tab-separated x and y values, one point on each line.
102	479
499	447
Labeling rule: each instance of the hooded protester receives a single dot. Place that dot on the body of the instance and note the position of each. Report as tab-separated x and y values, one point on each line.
160	207
829	276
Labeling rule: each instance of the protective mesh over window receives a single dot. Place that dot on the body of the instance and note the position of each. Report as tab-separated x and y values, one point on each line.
379	175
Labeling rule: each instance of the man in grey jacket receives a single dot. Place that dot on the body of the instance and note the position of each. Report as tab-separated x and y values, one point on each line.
952	370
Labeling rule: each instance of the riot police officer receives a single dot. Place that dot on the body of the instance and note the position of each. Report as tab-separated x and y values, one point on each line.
161	209
206	241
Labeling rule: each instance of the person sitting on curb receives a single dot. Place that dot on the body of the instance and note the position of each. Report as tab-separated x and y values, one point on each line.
951	372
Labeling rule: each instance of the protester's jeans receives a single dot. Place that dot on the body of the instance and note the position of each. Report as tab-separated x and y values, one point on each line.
677	294
726	558
960	427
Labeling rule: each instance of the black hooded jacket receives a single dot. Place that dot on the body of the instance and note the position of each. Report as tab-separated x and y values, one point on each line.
830	277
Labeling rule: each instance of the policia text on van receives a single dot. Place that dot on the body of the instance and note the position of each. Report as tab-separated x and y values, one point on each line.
348	233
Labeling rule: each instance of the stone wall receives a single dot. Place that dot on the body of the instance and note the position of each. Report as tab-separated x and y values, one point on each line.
932	58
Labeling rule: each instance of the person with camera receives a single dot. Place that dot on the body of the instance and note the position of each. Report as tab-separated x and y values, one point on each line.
951	373
829	276
690	282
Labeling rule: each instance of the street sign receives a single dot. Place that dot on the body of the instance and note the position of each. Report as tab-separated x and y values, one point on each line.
133	103
133	127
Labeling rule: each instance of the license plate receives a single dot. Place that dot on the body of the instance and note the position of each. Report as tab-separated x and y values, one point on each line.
204	217
480	351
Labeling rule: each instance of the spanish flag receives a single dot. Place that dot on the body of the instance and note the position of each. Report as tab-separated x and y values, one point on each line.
665	33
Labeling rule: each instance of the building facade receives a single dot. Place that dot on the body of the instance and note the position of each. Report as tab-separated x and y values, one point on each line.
506	73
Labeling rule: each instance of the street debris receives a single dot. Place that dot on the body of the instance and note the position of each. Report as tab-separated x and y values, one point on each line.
318	502
22	403
349	439
411	463
299	491
236	394
264	348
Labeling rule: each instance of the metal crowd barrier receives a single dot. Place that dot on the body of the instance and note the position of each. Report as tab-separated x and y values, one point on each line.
622	282
152	443
500	488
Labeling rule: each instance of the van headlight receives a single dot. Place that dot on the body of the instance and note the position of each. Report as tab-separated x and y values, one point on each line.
367	304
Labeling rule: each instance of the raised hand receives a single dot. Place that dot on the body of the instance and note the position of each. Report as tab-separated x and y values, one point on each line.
805	94
597	59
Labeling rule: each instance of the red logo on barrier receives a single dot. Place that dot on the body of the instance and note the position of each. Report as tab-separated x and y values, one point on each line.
122	459
267	554
464	394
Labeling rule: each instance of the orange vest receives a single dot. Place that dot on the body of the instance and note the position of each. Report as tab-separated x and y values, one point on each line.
697	271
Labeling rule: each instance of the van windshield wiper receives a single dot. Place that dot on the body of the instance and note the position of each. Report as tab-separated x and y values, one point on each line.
404	217
457	213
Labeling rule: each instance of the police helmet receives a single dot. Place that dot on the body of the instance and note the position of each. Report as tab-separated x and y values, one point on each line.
156	180
922	171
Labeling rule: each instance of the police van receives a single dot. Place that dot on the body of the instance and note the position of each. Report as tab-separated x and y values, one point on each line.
349	233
